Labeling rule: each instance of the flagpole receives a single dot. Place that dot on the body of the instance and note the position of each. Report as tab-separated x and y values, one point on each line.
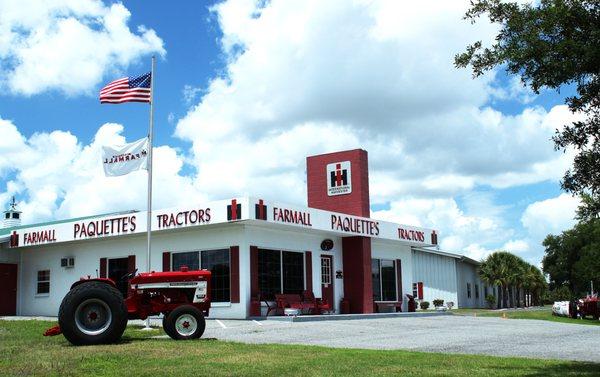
150	143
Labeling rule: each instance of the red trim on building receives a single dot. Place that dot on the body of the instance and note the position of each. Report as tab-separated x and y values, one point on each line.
420	290
358	283
103	264
234	209
399	276
234	255
131	263
166	261
308	270
254	289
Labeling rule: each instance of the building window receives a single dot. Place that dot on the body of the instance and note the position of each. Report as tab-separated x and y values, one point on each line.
476	291
269	273
383	274
7	215
15	216
189	260
376	277
217	262
325	270
468	290
293	272
280	272
485	291
43	282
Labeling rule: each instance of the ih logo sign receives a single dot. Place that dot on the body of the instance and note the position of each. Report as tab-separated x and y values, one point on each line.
234	211
260	210
339	178
14	239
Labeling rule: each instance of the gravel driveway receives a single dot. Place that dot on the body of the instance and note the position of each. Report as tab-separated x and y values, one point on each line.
448	334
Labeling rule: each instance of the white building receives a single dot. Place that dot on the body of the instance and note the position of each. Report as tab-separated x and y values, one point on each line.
255	249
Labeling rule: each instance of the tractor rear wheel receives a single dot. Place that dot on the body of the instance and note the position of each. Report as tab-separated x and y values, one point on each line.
185	322
93	313
164	324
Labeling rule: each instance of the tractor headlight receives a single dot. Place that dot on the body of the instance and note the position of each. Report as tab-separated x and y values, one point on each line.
200	294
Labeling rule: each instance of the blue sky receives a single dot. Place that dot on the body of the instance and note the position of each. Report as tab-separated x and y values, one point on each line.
192	58
244	90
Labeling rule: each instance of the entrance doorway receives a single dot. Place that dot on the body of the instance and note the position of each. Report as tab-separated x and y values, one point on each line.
327	279
8	293
117	268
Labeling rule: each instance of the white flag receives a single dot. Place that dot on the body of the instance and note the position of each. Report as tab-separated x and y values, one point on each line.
123	159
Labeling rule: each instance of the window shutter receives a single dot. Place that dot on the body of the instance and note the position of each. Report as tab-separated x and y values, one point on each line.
131	263
103	263
308	271
399	277
166	262
254	289
234	268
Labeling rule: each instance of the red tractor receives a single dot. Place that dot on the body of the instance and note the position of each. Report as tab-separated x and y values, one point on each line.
94	311
590	306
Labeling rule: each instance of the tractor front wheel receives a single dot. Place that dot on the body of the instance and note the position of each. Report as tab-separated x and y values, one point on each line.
185	322
93	313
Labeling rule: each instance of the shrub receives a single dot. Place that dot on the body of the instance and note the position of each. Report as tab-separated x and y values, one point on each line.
490	300
424	305
450	305
557	294
438	302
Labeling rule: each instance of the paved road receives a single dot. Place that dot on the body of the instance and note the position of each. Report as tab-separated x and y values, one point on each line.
449	334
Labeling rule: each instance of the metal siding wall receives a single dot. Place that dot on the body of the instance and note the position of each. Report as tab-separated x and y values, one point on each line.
438	274
467	273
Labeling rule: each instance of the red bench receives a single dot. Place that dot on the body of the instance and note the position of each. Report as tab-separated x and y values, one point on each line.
294	301
321	305
305	302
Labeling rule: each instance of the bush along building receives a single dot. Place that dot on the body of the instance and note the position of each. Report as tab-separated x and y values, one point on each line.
255	247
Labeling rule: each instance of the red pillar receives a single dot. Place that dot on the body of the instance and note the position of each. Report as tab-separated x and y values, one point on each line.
356	251
358	286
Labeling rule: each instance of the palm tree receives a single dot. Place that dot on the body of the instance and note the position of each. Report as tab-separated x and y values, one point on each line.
511	273
490	272
504	269
519	270
507	266
537	283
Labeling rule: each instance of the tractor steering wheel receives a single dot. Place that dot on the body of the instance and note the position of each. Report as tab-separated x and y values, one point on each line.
129	275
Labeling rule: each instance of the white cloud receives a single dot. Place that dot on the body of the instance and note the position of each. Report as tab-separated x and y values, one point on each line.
67	45
516	246
550	216
303	78
190	93
313	77
515	90
58	177
471	234
361	74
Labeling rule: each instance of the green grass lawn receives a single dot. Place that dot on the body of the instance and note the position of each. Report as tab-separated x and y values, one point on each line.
25	352
544	313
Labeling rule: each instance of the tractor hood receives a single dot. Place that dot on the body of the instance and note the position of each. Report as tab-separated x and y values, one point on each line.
170	277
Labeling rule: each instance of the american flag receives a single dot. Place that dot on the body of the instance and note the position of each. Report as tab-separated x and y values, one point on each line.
127	89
